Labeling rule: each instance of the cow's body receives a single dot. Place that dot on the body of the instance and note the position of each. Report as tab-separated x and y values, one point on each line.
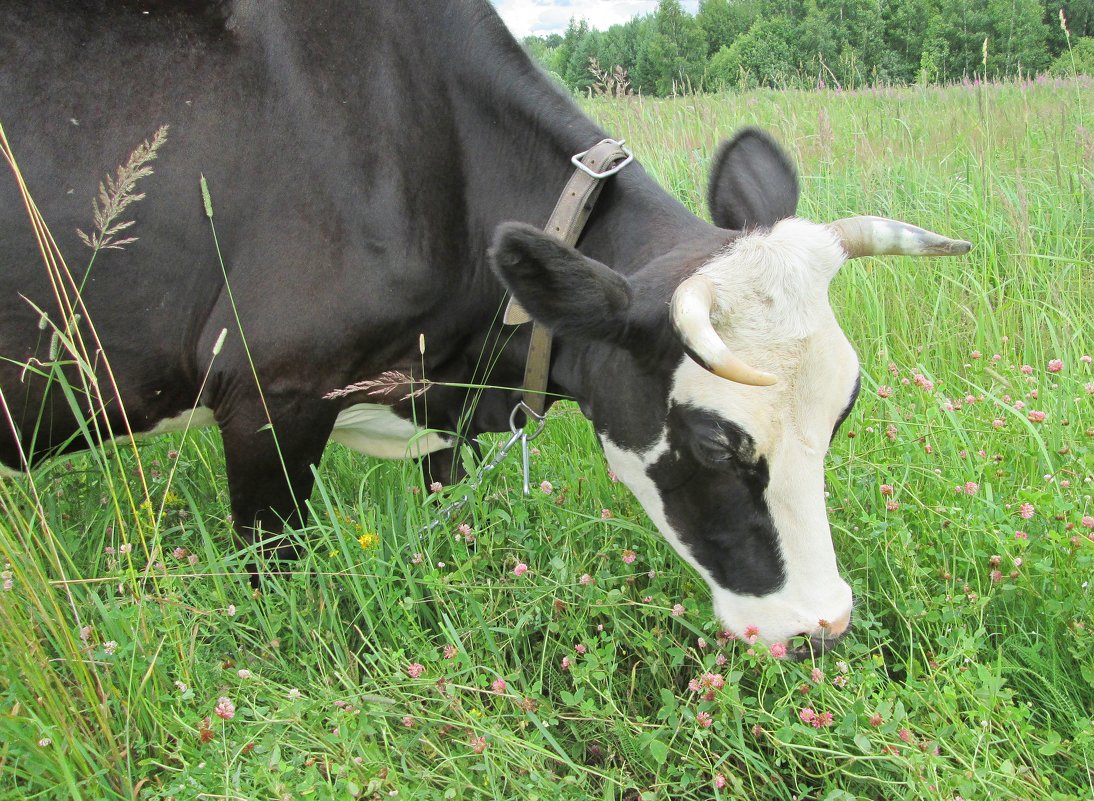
361	156
359	162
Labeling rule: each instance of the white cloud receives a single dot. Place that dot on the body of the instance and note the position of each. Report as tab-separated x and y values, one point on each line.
526	17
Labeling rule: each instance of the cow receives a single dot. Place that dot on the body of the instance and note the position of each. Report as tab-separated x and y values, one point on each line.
379	174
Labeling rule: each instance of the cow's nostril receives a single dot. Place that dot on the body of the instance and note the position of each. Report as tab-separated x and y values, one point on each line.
815	643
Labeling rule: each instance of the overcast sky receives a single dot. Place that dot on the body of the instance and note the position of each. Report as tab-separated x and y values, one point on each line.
526	17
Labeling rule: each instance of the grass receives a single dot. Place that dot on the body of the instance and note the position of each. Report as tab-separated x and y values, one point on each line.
958	681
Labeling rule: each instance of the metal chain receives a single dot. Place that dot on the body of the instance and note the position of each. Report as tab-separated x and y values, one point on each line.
519	434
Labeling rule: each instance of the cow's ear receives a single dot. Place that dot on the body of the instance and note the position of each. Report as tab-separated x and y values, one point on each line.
753	182
569	293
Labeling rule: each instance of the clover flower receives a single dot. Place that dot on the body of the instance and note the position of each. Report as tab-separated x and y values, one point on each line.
225	709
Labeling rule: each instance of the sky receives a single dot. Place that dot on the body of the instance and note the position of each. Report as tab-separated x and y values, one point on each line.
525	17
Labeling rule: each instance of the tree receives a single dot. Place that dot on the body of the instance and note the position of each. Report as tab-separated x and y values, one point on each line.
906	36
577	74
1079	60
1080	22
541	48
675	55
1019	37
817	40
722	22
762	56
563	54
860	30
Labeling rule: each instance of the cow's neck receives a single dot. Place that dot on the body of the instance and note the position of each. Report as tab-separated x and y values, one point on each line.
518	131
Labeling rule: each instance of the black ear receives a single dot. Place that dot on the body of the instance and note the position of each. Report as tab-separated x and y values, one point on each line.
566	291
753	182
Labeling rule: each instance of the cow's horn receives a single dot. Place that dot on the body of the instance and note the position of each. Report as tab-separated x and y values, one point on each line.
879	236
692	303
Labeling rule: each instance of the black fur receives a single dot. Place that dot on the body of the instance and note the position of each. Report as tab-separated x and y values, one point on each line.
712	487
753	183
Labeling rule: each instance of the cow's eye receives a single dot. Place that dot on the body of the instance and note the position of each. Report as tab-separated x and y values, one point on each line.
713	452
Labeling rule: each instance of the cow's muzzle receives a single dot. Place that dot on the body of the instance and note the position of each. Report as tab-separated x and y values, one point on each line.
821	641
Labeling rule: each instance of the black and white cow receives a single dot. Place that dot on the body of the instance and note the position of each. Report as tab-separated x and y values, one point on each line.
379	172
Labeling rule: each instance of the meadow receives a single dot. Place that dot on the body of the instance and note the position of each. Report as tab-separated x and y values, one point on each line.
404	661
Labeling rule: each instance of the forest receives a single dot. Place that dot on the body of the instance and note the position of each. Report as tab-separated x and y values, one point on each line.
840	44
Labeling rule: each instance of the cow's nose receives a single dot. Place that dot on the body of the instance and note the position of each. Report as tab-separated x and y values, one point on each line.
823	638
835	628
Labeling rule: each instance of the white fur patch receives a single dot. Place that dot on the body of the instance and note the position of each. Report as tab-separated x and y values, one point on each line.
772	286
375	430
369	428
198	417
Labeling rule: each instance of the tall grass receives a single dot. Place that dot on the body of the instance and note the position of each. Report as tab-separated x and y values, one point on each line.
970	672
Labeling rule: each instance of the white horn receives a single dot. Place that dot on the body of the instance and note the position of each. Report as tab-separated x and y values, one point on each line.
879	236
692	303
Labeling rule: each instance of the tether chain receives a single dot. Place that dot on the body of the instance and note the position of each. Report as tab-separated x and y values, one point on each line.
520	435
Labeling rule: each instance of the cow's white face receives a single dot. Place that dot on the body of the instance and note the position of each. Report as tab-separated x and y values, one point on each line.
735	481
716	382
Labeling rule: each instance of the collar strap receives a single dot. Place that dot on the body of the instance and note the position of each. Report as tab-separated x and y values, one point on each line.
571	212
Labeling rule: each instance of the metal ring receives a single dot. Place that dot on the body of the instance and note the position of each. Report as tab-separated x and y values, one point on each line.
541	420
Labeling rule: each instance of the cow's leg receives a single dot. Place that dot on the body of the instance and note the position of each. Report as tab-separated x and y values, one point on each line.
439	467
446	465
270	473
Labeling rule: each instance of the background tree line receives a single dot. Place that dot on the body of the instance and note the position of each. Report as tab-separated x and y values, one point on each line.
804	43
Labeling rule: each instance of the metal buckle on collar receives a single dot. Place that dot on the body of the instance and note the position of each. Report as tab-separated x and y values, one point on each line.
577	162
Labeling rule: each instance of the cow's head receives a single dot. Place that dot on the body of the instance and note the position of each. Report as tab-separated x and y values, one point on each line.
716	382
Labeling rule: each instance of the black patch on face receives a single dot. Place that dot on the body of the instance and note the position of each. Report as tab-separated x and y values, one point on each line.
847	409
711	484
